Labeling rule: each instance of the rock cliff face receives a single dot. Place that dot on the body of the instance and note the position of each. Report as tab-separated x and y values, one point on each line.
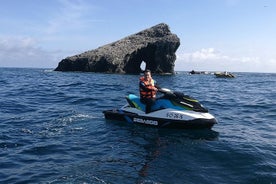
155	47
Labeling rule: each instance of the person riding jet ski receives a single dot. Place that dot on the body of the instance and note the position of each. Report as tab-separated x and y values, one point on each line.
173	109
148	89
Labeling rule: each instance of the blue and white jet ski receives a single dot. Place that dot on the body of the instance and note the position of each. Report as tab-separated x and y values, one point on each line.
171	110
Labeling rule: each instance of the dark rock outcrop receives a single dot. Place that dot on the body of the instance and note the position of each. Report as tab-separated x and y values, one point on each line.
155	46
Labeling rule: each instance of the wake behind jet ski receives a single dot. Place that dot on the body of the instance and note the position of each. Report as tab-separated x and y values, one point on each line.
171	110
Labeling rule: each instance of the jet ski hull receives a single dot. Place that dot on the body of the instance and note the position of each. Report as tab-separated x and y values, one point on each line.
196	123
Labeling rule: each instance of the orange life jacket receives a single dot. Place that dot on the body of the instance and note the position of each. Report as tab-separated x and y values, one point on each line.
150	93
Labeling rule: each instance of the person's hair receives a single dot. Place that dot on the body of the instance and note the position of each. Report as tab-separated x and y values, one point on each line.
147	71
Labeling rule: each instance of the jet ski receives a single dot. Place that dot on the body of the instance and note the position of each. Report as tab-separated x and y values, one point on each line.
172	109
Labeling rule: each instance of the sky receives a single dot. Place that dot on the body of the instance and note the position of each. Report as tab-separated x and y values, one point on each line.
215	35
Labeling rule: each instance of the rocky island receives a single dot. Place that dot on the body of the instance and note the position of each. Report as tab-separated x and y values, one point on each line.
155	47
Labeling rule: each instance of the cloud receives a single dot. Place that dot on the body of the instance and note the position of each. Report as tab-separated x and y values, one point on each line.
232	2
211	59
71	15
23	52
203	54
50	40
67	15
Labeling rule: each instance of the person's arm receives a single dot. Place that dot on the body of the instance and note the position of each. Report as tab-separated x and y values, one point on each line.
156	85
143	86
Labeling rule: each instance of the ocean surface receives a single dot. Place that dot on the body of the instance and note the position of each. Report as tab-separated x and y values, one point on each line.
52	130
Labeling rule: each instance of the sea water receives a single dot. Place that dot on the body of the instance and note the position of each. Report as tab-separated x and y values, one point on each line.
52	130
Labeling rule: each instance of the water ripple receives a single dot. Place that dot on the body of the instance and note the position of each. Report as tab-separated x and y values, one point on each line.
52	130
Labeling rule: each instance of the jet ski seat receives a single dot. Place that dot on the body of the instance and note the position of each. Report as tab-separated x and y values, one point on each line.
134	101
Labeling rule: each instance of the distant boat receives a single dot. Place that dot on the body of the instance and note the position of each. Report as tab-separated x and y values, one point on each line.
198	72
224	75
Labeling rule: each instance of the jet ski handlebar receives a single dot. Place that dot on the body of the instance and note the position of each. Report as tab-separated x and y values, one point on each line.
180	98
165	91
